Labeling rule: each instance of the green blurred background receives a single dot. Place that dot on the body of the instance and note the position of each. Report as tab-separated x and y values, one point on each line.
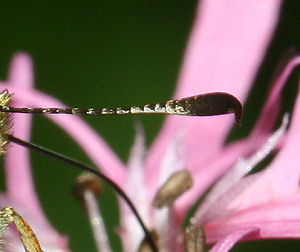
113	53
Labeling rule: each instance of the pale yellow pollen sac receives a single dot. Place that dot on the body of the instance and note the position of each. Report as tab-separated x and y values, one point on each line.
145	247
178	183
4	97
5	122
29	240
194	240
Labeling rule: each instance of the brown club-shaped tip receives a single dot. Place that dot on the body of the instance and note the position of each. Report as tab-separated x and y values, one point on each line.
209	104
86	182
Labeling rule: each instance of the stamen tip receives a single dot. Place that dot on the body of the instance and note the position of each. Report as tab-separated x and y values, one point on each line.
178	183
86	182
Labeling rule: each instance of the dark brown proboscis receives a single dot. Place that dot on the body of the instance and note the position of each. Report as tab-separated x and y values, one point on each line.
200	105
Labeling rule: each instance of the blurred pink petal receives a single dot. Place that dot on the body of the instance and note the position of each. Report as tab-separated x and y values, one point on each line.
20	187
268	200
134	187
227	44
244	147
215	202
229	241
20	71
86	137
18	170
278	219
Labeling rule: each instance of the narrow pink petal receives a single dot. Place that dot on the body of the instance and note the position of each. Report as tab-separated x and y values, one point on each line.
20	71
229	187
136	190
94	146
225	159
226	243
272	201
285	168
19	184
271	108
227	44
281	178
134	175
280	219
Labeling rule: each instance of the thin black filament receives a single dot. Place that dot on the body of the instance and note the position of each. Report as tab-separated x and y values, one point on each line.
85	167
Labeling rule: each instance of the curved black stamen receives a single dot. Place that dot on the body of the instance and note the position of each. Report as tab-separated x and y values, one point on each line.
85	167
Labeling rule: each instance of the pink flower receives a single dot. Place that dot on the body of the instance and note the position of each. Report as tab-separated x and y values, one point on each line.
226	47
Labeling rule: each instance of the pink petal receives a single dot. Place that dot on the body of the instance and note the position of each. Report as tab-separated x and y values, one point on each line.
20	71
88	139
281	178
271	108
228	42
226	243
228	187
17	160
134	175
280	219
20	186
135	189
243	148
272	200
